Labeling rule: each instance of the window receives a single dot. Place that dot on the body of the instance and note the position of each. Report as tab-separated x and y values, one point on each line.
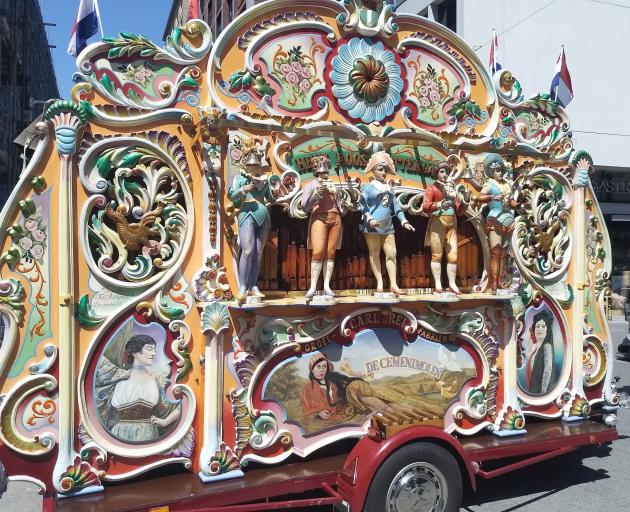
442	11
446	14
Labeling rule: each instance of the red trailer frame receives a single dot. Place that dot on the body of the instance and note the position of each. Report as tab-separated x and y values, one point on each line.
343	480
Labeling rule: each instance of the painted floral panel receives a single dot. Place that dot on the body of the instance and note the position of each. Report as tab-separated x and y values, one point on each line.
432	86
296	66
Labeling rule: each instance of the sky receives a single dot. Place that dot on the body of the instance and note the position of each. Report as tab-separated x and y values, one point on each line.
146	17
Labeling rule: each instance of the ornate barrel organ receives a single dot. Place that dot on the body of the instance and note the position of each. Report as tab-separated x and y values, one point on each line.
126	342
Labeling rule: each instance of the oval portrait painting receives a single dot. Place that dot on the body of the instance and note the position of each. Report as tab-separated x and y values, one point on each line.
131	385
542	351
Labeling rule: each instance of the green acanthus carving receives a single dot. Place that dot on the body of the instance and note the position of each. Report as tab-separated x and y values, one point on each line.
83	110
11	257
38	183
13	295
462	108
86	315
245	80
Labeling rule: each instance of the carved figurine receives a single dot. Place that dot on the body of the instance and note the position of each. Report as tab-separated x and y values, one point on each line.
324	232
251	193
499	218
380	206
443	204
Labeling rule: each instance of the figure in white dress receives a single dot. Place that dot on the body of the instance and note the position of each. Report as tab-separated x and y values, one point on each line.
130	397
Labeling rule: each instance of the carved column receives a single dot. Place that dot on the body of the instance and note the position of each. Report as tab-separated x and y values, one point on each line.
510	420
217	460
577	407
67	118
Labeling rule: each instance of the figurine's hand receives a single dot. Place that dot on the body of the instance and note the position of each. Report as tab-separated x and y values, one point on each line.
324	415
372	223
446	204
248	188
158	422
408	226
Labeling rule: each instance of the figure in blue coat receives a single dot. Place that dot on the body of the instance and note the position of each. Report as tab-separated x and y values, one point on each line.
251	193
380	206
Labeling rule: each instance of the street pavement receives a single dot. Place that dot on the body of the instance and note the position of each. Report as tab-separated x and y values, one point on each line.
583	481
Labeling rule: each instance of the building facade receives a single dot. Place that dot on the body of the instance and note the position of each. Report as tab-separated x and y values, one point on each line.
27	79
530	35
216	13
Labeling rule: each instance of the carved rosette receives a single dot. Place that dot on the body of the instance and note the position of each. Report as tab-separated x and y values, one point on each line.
211	283
366	80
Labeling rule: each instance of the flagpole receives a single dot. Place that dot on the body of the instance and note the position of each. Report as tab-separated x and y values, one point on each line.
98	15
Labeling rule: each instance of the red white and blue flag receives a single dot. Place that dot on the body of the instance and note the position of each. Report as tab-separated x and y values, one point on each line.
494	58
86	24
561	88
193	10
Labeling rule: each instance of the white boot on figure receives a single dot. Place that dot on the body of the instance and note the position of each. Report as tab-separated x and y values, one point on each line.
436	270
328	272
316	268
451	272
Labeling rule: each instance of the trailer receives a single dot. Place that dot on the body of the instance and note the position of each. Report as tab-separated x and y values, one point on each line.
324	259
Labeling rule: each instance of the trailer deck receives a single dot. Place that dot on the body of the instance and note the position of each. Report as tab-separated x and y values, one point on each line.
187	492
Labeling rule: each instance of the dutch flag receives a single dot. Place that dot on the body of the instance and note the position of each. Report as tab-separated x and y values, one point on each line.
86	24
561	88
494	58
193	10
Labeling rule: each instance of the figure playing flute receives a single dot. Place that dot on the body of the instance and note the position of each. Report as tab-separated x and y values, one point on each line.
443	205
251	193
324	232
380	206
499	219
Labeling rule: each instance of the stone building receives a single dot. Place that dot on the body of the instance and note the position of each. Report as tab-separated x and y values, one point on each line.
217	14
27	79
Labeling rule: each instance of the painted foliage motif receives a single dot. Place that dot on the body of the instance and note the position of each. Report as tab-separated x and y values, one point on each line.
29	256
542	351
380	372
130	385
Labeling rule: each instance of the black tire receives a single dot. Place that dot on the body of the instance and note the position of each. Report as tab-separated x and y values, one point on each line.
432	469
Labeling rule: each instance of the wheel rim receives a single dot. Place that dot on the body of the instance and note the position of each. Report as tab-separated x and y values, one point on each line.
420	486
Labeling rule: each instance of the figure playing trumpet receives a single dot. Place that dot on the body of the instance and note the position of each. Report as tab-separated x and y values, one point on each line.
324	233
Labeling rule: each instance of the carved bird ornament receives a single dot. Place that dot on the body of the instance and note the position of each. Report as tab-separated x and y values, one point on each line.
135	234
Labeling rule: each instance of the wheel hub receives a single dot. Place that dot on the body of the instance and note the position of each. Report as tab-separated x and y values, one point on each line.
418	487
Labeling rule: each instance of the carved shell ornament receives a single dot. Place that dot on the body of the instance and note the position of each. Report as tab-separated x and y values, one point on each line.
366	80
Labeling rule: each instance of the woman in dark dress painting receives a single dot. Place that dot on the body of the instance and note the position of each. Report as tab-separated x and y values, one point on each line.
541	374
